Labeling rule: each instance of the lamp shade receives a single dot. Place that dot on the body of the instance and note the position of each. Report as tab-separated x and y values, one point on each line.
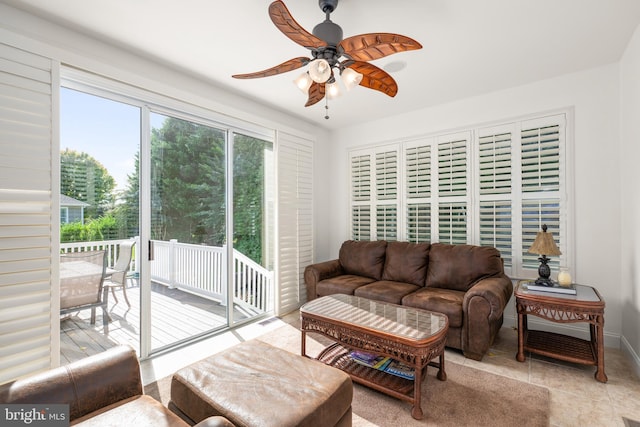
333	90
544	244
351	78
319	70
303	82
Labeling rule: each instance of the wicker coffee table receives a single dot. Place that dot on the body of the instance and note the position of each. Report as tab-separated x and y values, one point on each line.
412	336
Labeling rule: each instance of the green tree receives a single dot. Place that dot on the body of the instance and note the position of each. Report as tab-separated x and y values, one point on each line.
188	187
84	178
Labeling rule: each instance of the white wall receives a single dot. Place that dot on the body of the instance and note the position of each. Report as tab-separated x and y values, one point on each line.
630	211
594	95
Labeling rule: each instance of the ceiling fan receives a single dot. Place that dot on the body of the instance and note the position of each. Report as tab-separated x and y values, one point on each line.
331	53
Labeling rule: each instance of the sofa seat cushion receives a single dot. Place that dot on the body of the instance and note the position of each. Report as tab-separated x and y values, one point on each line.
140	410
362	258
257	384
406	262
386	290
344	284
445	301
459	267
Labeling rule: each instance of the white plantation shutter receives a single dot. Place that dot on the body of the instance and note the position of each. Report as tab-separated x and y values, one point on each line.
453	188
361	197
295	219
534	214
374	194
542	142
495	164
361	222
541	158
494	186
495	191
496	228
418	222
418	174
417	161
452	223
452	168
28	315
387	222
387	175
361	178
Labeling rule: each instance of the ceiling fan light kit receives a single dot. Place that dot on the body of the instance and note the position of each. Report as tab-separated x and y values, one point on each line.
333	55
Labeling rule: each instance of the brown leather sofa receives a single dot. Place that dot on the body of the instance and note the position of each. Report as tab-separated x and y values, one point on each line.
101	390
465	282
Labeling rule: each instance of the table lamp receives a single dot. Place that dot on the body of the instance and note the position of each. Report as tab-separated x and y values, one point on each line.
544	245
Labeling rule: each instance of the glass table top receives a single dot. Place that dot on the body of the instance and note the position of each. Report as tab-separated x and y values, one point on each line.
388	318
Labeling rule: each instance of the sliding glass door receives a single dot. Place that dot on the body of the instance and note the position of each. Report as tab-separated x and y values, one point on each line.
188	230
197	199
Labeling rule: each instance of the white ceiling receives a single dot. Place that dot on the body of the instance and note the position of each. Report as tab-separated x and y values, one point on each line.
470	47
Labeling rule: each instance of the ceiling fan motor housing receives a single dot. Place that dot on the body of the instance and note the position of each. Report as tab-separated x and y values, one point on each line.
329	32
328	6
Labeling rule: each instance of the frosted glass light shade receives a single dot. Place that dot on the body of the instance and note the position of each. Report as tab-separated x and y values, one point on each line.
319	70
303	82
332	90
351	78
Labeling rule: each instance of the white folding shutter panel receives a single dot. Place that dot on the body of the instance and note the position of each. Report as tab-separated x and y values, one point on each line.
541	204
26	320
417	162
387	195
453	189
361	197
295	220
495	192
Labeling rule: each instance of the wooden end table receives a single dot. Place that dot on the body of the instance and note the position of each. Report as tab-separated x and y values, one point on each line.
413	336
586	306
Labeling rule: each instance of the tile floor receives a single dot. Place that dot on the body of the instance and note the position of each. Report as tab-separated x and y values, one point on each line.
577	399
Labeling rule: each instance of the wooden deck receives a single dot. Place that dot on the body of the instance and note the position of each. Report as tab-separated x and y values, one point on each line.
176	315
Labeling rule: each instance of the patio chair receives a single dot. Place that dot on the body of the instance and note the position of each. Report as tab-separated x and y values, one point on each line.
82	283
116	277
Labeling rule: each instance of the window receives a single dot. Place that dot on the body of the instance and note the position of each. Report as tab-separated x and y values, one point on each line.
492	186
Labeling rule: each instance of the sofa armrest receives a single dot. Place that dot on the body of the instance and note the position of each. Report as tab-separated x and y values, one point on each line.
483	307
316	272
495	290
85	385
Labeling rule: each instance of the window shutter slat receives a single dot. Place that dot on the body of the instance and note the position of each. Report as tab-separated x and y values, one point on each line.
296	224
26	306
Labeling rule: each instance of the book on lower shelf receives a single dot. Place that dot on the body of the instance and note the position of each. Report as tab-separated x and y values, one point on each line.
570	290
382	363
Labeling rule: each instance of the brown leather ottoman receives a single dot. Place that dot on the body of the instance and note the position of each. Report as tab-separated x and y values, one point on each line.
255	384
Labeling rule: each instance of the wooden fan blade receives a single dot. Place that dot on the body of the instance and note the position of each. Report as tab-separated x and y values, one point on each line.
367	47
316	93
375	78
284	21
289	65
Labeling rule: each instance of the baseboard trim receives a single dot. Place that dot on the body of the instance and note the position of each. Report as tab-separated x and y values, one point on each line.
633	356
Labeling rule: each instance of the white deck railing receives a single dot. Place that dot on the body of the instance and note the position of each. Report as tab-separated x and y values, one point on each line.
198	269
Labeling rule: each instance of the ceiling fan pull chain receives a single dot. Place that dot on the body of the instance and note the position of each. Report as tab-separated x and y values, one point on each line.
326	107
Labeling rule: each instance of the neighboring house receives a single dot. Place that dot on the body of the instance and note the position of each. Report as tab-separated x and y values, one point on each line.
71	210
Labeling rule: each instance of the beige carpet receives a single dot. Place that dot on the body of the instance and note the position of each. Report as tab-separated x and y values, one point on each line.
469	397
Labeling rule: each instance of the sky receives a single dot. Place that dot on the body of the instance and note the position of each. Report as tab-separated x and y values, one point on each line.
107	130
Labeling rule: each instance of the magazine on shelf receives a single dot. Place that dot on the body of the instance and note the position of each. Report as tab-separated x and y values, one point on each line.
382	363
370	360
570	290
400	369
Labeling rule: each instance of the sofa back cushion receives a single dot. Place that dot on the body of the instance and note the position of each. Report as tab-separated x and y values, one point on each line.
459	267
406	262
363	258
